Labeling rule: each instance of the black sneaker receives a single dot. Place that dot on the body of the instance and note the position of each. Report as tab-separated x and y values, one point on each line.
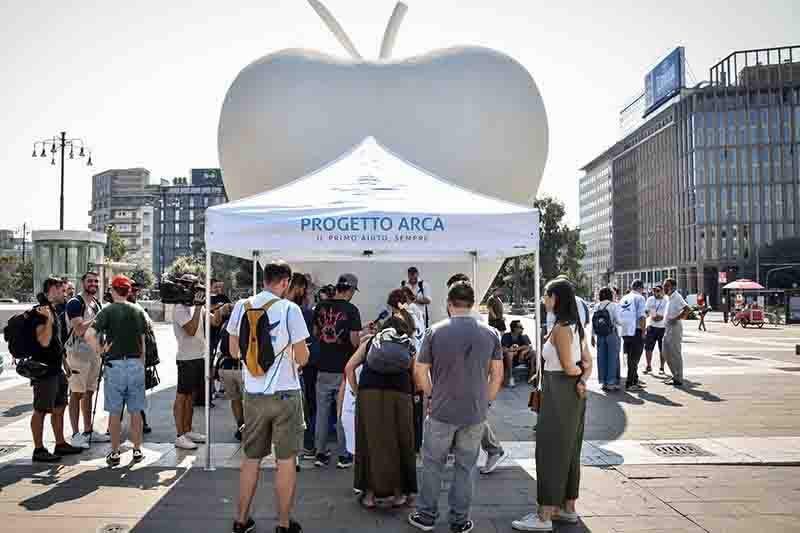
345	461
66	449
247	527
294	527
112	459
308	454
322	460
138	456
41	455
421	522
462	528
238	435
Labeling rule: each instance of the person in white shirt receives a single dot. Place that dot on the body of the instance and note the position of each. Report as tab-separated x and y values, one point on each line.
422	292
655	307
632	316
677	310
273	404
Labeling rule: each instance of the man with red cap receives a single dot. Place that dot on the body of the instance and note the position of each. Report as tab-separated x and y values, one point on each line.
118	334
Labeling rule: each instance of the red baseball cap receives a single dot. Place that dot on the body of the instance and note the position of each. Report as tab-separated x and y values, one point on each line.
121	282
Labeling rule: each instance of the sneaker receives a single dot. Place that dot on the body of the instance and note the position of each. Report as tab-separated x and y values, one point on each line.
195	437
345	461
532	522
641	383
98	437
66	449
185	443
648	369
421	522
614	388
296	463
238	435
308	454
112	459
247	527
511	381
562	515
661	371
294	527
634	388
41	455
138	456
462	528
322	460
80	440
493	461
674	382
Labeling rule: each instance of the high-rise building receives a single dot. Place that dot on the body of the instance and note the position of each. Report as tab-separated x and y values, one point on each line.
712	176
596	210
181	218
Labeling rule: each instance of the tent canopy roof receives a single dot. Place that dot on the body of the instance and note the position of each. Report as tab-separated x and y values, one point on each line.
371	204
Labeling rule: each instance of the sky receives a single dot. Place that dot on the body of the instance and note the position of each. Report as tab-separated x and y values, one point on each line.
143	82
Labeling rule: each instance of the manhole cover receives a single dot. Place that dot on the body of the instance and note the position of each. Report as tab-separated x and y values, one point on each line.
114	528
677	449
789	368
7	450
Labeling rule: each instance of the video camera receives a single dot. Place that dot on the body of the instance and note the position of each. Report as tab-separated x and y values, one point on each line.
182	291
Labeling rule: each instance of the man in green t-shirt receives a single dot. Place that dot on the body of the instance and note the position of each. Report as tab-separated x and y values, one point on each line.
118	334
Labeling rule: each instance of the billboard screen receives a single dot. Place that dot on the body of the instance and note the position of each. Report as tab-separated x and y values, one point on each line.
665	80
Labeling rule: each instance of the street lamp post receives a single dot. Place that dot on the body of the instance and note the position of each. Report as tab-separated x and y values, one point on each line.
60	144
770	271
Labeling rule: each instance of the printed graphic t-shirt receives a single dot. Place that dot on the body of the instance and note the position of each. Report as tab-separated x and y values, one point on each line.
333	321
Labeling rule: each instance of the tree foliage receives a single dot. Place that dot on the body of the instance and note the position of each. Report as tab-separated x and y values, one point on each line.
22	280
115	245
186	264
142	276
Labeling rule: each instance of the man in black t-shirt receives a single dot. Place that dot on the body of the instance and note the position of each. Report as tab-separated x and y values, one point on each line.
218	300
50	391
337	325
516	349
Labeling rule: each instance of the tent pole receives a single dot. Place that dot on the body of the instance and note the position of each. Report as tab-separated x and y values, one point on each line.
537	306
207	318
255	272
478	295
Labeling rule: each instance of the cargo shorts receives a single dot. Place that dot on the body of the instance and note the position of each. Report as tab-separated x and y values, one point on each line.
272	419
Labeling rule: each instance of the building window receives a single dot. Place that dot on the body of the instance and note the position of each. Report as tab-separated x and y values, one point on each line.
177	214
191	214
177	228
191	228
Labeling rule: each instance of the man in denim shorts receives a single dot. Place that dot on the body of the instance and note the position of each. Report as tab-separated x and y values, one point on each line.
118	334
273	410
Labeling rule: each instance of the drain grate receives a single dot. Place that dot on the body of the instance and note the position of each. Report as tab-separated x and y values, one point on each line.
677	449
789	368
114	528
8	450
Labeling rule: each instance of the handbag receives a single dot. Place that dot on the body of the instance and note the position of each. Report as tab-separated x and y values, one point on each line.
535	398
151	378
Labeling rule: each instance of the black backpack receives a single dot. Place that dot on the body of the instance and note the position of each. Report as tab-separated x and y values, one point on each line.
20	334
150	347
390	352
601	322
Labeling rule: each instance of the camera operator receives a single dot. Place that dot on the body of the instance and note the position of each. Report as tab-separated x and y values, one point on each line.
189	327
118	334
50	391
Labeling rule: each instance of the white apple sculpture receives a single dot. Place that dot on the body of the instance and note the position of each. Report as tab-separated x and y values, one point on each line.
471	115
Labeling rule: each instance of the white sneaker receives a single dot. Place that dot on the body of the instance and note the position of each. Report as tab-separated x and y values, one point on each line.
511	382
99	437
195	437
532	522
183	442
79	440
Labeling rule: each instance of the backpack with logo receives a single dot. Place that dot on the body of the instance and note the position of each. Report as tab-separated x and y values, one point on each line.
255	340
602	325
20	335
390	352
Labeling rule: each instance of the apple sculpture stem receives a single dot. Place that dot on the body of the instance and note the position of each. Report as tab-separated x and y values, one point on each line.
336	29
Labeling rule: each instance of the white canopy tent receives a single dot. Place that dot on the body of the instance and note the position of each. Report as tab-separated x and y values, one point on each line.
369	205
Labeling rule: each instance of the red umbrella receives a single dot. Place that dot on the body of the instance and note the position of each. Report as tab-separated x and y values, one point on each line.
743	284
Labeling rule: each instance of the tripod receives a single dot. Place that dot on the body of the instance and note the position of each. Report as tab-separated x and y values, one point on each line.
103	364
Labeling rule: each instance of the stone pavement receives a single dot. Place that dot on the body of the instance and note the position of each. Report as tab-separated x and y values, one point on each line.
741	409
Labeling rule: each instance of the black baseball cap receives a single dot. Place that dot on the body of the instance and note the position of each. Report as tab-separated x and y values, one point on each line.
348	280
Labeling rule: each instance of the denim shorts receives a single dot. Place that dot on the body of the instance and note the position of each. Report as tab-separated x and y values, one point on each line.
124	384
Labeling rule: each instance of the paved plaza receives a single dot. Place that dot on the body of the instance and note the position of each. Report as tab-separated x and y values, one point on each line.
738	417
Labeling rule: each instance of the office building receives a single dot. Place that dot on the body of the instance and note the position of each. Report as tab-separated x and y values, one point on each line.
596	208
712	177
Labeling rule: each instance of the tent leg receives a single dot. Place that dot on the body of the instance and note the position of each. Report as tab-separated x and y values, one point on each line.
538	306
207	318
255	272
478	295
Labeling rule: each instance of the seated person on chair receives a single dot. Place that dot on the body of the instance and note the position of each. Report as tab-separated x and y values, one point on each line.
516	350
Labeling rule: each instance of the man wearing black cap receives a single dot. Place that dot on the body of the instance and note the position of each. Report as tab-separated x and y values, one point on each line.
337	325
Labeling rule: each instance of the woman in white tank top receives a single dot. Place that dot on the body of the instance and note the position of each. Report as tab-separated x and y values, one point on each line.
559	427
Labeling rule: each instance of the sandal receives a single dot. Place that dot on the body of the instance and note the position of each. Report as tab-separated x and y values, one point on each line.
366	505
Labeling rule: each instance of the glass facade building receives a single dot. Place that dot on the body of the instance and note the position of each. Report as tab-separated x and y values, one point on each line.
596	221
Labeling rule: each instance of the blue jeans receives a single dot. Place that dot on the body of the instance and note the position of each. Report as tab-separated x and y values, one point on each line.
437	440
124	385
608	359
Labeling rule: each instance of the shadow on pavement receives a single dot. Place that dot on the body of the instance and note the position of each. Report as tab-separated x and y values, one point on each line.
689	388
18	410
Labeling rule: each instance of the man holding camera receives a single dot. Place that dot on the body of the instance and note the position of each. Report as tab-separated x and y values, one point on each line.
50	391
84	361
118	334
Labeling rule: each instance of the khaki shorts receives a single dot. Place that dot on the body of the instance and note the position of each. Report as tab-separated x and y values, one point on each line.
232	379
88	367
272	419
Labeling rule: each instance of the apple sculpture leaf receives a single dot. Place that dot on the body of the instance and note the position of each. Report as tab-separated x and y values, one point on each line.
471	115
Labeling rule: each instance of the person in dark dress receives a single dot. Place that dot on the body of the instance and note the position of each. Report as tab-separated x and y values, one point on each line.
385	460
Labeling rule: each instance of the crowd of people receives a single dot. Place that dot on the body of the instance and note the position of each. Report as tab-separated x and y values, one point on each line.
299	364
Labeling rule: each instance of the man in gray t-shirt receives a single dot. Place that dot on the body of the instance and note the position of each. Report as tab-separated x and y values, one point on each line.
455	360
